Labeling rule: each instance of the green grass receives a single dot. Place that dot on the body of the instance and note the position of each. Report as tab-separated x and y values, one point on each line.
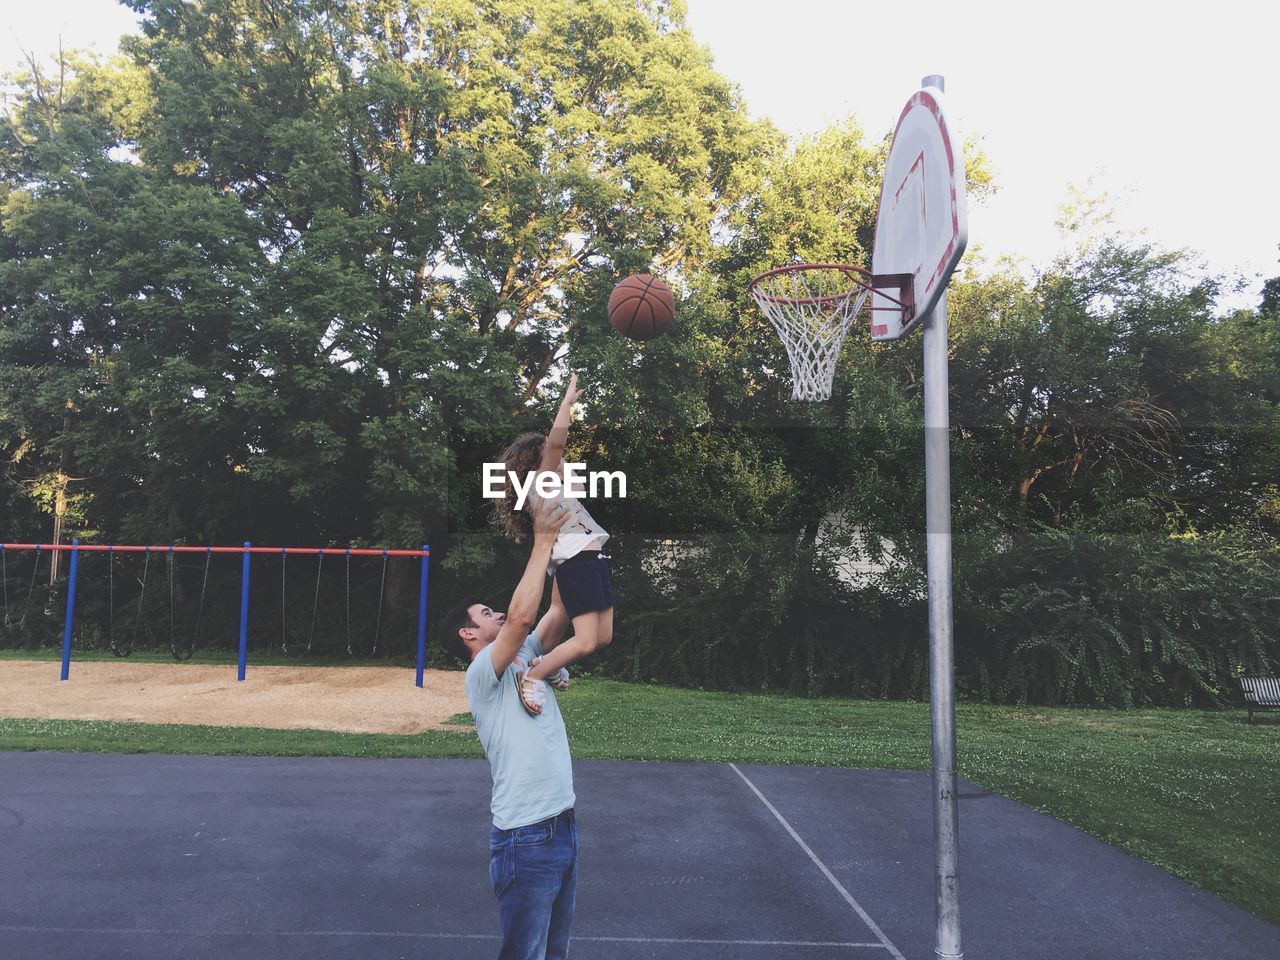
1192	792
102	736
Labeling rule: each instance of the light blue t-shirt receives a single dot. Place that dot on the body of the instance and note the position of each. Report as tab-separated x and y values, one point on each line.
528	756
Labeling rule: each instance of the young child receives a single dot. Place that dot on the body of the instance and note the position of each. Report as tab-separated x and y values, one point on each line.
582	584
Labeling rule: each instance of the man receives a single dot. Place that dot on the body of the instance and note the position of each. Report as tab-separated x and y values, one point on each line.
533	845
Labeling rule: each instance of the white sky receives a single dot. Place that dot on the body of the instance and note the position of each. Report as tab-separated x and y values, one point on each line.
1159	104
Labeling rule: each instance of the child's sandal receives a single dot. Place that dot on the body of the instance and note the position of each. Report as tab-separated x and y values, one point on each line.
559	680
532	694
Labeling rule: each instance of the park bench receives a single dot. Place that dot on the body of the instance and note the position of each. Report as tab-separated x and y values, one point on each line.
1260	693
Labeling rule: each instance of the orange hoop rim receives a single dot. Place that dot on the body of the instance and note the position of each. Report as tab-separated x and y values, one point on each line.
860	276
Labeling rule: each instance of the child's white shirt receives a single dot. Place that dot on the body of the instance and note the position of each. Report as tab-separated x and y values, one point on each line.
579	532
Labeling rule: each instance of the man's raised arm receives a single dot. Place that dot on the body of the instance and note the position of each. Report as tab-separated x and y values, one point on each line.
548	517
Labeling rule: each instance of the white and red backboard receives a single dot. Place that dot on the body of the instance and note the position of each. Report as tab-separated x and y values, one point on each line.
921	229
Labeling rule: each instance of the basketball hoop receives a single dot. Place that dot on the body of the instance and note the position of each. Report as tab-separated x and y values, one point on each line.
813	306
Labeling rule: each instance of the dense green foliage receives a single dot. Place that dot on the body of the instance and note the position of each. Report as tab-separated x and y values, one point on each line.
292	271
1188	791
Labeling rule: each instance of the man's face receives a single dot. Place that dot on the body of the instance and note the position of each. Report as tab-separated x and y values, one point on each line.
487	624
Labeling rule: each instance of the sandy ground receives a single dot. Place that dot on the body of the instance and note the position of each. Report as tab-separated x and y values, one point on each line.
351	699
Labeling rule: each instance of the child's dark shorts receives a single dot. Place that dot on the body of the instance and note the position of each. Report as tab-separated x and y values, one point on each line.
584	582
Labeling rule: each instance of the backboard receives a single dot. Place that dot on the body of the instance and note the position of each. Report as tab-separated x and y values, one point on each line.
921	228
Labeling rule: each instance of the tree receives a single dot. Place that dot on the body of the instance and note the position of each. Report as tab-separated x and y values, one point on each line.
1111	382
348	243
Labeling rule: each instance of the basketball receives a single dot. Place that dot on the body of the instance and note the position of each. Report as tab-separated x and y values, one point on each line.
641	307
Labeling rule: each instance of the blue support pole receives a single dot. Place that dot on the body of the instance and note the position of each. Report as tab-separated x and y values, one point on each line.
244	611
71	611
422	614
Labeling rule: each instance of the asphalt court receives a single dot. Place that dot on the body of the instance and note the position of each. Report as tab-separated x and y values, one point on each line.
116	857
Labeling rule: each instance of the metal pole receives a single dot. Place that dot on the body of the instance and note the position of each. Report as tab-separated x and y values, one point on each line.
937	466
422	614
937	460
71	611
244	611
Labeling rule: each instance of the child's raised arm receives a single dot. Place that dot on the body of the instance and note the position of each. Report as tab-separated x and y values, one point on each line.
558	436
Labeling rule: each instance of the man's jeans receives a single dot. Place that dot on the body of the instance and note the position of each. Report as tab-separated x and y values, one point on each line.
534	871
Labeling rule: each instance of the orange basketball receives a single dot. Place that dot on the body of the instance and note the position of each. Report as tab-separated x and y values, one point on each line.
641	307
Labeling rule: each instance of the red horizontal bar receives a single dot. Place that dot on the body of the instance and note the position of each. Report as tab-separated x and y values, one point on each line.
129	548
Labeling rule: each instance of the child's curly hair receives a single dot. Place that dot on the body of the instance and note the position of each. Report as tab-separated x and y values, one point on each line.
521	458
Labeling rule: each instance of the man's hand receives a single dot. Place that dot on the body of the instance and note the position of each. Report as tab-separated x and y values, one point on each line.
548	518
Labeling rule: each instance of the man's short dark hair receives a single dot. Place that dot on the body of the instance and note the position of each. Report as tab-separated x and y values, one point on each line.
458	618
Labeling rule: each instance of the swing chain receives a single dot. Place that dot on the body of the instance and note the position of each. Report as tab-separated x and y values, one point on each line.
382	587
31	588
173	640
111	599
284	620
315	603
142	594
204	585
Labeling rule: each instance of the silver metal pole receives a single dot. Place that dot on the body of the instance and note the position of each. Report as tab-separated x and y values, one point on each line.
937	467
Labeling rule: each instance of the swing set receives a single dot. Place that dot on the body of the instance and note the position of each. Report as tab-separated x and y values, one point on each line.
123	647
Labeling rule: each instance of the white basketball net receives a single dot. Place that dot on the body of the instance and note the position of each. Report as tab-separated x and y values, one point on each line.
812	309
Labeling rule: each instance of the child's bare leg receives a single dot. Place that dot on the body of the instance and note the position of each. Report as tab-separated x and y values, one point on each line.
553	623
586	633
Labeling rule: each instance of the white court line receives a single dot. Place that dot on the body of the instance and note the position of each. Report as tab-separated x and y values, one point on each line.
196	934
732	943
131	931
866	918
